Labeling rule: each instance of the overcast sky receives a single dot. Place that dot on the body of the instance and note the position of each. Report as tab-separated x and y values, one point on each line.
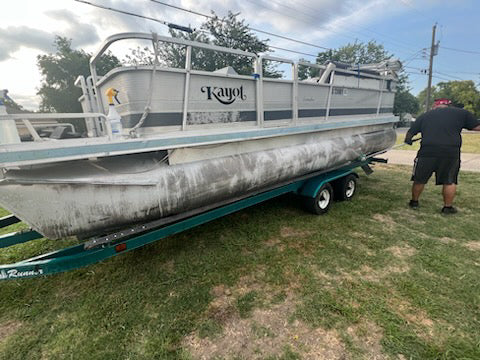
28	27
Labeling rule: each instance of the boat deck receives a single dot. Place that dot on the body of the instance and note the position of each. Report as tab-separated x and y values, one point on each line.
38	152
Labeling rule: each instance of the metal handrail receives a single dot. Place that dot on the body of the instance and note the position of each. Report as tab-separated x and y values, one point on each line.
149	36
35	116
49	116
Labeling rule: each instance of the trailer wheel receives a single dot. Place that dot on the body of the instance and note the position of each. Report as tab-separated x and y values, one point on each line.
321	203
346	187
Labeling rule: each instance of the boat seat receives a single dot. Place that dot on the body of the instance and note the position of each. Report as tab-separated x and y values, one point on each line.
61	132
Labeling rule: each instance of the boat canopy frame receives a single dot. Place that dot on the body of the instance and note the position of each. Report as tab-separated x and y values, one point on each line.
257	62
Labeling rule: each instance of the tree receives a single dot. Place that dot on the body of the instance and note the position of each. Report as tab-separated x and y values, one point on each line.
357	53
405	103
59	70
462	93
228	31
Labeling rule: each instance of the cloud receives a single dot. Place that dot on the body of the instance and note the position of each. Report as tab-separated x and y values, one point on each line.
82	34
109	20
14	37
29	102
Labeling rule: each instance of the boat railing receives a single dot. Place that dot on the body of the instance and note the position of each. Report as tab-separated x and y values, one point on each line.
330	76
155	39
28	120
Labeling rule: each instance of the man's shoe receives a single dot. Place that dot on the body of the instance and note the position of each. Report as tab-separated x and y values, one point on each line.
449	210
413	204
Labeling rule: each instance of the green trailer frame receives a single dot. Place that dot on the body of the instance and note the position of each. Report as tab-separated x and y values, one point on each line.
105	247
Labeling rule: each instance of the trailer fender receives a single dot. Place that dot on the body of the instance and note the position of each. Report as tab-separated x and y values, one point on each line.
311	187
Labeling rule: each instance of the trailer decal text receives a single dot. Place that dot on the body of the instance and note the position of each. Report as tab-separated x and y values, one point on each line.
14	273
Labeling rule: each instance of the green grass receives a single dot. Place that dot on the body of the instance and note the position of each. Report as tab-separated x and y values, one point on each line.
470	143
371	278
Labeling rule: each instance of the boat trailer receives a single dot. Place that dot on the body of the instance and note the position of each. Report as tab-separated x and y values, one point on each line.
315	188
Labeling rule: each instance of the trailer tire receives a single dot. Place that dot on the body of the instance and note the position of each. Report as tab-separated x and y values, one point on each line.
320	204
345	187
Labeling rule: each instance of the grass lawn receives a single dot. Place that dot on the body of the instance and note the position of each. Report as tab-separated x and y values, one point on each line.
371	279
470	143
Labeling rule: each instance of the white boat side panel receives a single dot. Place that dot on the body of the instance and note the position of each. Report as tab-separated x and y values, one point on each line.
277	96
167	96
354	98
186	155
312	96
388	99
352	81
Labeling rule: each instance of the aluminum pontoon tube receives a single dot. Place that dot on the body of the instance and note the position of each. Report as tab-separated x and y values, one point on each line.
65	199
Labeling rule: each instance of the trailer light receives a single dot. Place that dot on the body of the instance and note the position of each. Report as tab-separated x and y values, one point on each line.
120	247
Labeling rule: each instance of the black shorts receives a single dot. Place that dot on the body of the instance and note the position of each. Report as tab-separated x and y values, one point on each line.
445	169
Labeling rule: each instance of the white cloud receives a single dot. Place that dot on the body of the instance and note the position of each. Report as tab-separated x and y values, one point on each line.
15	37
81	33
29	102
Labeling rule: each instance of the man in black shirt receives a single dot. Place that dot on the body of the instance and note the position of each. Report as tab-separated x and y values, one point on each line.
440	149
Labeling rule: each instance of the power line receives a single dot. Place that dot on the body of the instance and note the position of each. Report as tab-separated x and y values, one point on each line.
464	72
292	51
177	26
441	78
405	2
453	77
425	72
258	30
398	42
260	3
461	50
349	36
412	58
170	25
434	76
251	28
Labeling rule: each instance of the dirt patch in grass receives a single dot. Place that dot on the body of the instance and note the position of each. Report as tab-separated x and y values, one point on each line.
367	336
408	217
415	317
473	245
375	275
266	333
222	308
364	273
169	266
386	220
402	252
272	242
447	240
269	329
275	243
289	232
8	328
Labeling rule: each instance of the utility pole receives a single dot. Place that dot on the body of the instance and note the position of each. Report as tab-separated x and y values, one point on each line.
433	52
